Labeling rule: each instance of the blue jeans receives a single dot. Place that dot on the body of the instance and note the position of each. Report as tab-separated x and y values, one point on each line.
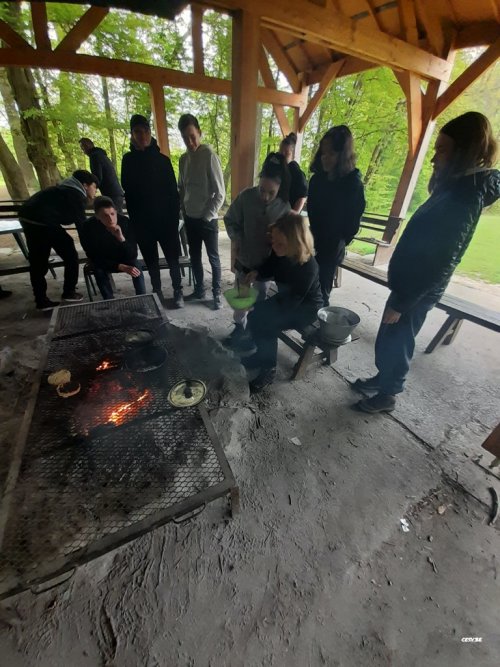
104	283
395	346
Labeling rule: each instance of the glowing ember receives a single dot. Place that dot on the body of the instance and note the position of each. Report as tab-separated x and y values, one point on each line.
120	413
106	365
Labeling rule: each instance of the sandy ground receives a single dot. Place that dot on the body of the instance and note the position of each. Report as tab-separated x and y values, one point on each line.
316	570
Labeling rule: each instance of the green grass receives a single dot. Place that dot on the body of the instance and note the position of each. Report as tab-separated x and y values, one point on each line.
482	259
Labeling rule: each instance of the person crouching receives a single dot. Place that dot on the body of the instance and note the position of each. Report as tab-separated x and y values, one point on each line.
108	240
293	267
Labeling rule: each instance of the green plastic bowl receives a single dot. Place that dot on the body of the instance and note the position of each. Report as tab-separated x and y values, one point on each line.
241	303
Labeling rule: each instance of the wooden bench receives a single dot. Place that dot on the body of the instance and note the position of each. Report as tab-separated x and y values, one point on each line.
385	226
306	349
457	309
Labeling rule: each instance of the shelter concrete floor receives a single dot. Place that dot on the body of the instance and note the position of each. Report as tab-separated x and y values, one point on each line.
316	570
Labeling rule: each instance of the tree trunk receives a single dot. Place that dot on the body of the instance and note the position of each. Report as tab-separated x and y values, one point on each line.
12	174
17	135
109	120
33	126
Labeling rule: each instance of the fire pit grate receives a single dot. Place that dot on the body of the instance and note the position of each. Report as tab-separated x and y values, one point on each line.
88	483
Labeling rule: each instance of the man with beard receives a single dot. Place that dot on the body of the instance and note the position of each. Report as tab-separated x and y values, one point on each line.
430	249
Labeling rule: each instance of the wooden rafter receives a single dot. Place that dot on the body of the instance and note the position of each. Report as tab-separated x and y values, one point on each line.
315	24
157	95
408	21
123	69
82	29
411	85
467	78
496	9
352	65
325	82
281	58
12	38
197	38
373	16
432	25
40	27
477	34
268	79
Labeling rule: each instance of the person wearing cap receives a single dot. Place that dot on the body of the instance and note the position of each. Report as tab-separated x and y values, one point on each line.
103	168
42	217
430	248
153	204
202	192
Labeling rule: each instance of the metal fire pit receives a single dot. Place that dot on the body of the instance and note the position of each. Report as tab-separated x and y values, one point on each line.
96	470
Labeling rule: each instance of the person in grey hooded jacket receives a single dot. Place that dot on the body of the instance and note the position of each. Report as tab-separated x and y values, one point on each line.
43	216
431	247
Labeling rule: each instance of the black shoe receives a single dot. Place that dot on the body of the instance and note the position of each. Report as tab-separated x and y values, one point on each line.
217	301
178	298
244	344
47	305
236	334
252	362
370	385
72	297
263	380
378	403
4	293
197	294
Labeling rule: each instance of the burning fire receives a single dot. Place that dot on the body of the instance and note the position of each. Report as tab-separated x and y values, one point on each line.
120	413
106	365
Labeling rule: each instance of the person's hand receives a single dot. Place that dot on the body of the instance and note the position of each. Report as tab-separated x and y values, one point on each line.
131	270
250	278
390	316
117	233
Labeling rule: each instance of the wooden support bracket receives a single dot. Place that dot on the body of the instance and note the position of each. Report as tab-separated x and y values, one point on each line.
12	38
267	78
82	29
327	78
40	27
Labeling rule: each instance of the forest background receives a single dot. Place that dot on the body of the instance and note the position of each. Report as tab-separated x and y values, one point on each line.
60	108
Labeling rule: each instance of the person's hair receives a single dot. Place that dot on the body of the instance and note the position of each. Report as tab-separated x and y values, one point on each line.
475	145
342	142
290	141
186	120
276	168
299	238
103	202
86	141
85	177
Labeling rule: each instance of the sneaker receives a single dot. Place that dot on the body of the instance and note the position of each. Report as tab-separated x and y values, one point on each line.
197	294
251	362
72	297
367	386
263	379
47	305
217	301
178	298
237	333
378	403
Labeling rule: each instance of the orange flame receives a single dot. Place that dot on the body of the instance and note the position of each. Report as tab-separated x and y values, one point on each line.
106	365
119	414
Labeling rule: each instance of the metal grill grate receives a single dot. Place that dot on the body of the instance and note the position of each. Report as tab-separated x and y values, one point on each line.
88	483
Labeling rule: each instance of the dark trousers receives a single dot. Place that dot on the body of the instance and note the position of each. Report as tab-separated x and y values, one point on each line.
268	319
40	240
328	261
102	278
148	240
206	232
395	346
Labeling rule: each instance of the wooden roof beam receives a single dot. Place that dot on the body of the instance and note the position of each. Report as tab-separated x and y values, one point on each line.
371	13
482	33
351	65
408	21
327	78
12	38
268	79
281	58
40	27
82	29
467	78
411	85
338	32
432	25
197	38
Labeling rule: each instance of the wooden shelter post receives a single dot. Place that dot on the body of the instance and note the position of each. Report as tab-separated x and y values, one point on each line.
159	115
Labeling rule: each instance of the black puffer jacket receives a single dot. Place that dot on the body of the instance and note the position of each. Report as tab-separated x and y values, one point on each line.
151	191
436	238
335	209
102	167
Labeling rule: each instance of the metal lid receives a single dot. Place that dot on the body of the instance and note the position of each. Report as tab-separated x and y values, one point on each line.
186	393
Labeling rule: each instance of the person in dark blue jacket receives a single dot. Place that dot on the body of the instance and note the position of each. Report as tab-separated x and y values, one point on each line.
102	167
430	249
335	203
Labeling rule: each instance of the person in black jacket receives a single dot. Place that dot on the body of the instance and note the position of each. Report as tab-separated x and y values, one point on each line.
298	180
430	249
292	266
42	217
103	168
153	204
108	240
335	203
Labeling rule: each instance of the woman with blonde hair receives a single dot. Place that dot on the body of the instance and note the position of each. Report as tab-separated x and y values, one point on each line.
292	266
